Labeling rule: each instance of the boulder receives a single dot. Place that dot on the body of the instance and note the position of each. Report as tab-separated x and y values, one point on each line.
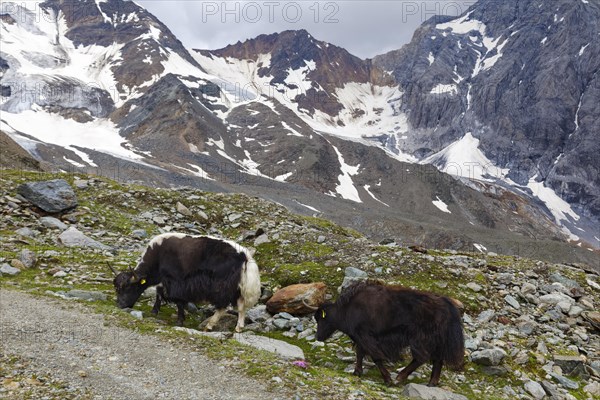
28	258
416	391
291	299
51	196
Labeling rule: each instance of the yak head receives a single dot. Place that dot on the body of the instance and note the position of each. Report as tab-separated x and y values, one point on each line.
129	287
326	321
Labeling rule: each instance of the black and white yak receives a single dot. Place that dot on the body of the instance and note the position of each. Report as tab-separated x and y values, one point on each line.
193	269
383	320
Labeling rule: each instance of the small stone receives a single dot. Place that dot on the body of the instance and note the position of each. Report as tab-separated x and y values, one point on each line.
535	389
565	382
555	298
485	316
139	234
321	239
474	287
18	264
234	217
488	356
26	232
202	215
159	220
417	391
82	373
592	388
262	239
511	301
137	314
528	288
74	238
28	258
276	379
352	272
570	365
183	210
53	223
60	274
8	270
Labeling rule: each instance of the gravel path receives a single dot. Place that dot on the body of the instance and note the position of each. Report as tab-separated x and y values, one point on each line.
69	343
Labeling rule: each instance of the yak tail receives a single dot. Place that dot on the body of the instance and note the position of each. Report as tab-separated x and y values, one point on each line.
250	282
454	349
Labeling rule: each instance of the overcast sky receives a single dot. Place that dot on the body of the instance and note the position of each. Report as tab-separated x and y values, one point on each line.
364	28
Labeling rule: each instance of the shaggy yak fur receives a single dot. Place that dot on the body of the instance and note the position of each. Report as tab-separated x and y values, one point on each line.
383	320
193	269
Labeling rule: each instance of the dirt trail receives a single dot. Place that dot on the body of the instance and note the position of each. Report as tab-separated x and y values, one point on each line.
66	341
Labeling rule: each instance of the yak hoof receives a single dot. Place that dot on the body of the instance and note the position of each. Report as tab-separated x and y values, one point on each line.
154	312
357	372
238	329
432	384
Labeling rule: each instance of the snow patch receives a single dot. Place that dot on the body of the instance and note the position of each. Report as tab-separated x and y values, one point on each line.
346	187
441	205
98	135
367	187
443	88
463	158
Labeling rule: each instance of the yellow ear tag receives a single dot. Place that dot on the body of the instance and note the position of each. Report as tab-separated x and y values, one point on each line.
323	313
143	282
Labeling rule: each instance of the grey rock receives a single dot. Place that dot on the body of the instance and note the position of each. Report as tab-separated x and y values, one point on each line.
51	196
280	323
26	232
74	238
565	382
203	215
53	223
555	298
28	258
279	347
550	389
86	295
285	315
352	272
8	270
573	287
258	313
535	389
511	301
139	233
416	391
592	388
528	288
183	210
570	365
137	314
485	316
474	287
488	356
321	239
262	239
234	217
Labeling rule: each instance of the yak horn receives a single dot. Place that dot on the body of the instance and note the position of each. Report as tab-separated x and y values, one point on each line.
309	306
111	268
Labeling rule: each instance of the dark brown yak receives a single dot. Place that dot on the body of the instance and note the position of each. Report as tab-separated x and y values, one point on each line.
383	320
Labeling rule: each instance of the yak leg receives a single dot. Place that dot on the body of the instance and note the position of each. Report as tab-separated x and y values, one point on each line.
215	318
435	373
241	315
180	313
384	372
159	296
409	369
360	354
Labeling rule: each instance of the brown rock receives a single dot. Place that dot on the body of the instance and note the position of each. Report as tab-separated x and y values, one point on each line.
18	264
291	299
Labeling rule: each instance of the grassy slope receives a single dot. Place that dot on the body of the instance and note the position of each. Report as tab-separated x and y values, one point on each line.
293	256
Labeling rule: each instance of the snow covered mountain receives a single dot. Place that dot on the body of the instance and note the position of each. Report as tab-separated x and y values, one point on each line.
104	87
515	82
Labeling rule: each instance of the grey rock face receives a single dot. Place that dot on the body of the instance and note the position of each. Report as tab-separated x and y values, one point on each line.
51	196
511	91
